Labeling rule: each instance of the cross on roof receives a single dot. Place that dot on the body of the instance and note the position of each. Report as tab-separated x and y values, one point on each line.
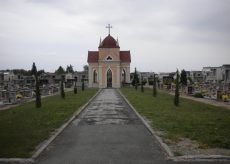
109	27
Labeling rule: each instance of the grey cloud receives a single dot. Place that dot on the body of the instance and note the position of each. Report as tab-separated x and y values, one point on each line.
205	15
57	32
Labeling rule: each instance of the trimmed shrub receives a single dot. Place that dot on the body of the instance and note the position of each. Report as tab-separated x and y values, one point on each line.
198	95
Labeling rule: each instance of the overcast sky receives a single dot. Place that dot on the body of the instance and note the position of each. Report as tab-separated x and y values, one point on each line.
162	35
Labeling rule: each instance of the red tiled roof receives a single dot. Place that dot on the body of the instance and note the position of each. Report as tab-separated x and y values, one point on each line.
125	56
109	42
93	56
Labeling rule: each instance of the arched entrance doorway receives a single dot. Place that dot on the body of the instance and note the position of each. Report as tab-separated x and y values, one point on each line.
109	79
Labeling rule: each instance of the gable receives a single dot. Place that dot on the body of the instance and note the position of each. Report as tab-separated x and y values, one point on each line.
93	56
125	56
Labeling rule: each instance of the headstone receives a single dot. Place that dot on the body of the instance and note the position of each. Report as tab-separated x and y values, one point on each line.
219	95
190	90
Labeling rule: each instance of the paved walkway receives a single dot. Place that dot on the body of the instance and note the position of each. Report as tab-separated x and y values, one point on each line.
206	101
107	132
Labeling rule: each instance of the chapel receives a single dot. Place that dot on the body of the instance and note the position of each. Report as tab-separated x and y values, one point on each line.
109	67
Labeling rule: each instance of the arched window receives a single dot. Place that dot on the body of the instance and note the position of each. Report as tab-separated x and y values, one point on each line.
94	76
123	75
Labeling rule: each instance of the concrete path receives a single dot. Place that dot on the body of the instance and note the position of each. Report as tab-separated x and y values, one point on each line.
107	132
206	101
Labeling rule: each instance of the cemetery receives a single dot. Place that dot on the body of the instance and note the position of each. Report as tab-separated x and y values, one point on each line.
16	89
152	87
164	100
208	83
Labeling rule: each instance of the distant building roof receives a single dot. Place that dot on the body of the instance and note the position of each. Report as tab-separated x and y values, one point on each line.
226	65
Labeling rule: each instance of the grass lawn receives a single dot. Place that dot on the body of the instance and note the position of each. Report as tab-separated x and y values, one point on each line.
23	127
209	125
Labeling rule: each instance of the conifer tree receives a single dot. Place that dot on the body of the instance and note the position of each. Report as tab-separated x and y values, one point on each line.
75	86
69	69
60	70
135	78
62	88
177	94
83	85
183	78
34	72
142	87
154	86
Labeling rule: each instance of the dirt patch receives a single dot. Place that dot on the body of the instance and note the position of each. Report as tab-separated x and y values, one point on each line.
185	146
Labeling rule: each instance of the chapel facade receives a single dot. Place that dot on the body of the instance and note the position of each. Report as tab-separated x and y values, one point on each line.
108	67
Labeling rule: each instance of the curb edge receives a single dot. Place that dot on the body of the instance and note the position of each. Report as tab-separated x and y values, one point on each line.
45	143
